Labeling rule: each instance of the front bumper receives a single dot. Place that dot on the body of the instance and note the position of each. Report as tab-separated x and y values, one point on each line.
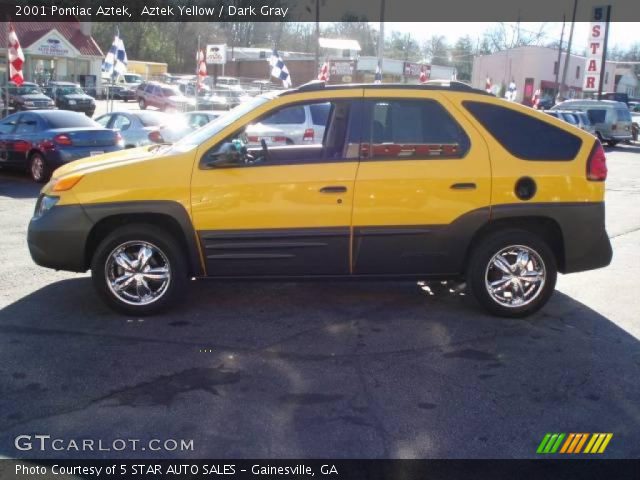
58	239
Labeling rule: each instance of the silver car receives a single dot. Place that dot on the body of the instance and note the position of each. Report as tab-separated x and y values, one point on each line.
301	124
137	128
611	120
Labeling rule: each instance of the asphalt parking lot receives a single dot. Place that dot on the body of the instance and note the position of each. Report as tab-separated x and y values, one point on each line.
343	370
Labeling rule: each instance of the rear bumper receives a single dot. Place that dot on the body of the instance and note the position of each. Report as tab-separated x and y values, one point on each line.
58	239
57	158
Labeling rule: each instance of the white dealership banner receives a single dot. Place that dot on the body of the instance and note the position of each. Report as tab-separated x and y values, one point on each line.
217	54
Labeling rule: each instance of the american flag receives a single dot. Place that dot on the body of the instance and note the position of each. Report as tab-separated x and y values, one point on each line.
16	58
423	75
487	85
324	72
279	69
116	60
378	76
202	68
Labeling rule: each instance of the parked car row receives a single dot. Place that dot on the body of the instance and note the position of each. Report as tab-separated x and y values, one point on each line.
40	141
61	95
611	120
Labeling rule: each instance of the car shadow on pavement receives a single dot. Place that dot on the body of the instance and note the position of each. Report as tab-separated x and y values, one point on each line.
17	184
314	370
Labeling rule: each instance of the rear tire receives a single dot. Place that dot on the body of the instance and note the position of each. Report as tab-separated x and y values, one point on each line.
38	168
139	270
512	273
612	143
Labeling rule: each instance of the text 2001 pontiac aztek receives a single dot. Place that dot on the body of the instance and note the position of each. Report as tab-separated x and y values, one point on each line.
406	181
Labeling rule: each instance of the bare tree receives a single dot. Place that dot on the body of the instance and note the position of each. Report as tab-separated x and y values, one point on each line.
511	35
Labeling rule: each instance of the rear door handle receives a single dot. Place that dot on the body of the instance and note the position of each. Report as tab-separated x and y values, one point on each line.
463	186
333	189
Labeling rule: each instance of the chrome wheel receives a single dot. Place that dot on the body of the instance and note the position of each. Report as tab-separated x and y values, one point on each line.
37	168
137	273
515	276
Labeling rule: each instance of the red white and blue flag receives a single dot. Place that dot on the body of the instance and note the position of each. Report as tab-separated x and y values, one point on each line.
16	58
202	68
423	75
324	72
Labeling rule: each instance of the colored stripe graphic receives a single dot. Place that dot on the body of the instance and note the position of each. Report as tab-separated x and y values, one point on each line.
573	443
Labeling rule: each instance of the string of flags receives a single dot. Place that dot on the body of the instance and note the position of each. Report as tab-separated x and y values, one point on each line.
324	72
16	58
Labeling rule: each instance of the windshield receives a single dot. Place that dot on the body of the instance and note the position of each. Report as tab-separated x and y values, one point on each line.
26	90
132	79
209	130
169	92
69	91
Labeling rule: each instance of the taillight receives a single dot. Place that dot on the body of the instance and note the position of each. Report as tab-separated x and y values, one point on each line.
308	135
156	137
63	139
597	164
119	140
280	139
252	139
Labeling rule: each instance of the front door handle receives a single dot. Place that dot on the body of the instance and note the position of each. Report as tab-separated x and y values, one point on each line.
463	186
333	189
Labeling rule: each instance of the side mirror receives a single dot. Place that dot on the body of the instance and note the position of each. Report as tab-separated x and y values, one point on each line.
228	155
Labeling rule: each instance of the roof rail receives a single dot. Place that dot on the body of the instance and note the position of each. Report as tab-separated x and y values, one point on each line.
311	86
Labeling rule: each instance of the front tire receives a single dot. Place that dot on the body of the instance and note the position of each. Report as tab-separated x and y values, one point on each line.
512	273
613	143
139	270
142	104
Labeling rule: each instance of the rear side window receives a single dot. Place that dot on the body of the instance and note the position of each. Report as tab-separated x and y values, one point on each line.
286	116
570	118
525	136
320	113
406	129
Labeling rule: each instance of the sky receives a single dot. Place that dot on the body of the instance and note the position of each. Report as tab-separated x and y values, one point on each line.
622	34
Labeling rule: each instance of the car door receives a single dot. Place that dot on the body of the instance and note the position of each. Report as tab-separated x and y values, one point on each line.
7	127
287	214
422	187
23	138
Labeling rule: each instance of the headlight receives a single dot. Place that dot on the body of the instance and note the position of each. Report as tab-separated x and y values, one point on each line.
44	204
51	102
72	102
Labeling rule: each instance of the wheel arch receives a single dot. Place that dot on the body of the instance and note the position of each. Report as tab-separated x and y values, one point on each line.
547	228
169	216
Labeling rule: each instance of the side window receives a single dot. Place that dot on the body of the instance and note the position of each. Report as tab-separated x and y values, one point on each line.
597	115
320	113
121	122
408	129
570	118
286	116
8	125
525	136
27	124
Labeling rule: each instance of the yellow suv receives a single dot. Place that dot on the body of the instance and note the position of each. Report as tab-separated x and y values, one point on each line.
408	181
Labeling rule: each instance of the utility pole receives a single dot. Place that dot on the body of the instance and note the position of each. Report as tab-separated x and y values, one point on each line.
317	34
381	37
559	56
568	55
604	53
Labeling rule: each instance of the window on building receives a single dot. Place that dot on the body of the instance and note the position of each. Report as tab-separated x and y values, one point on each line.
555	68
606	77
578	72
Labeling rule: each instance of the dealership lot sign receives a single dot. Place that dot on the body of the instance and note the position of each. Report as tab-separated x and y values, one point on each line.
217	54
595	49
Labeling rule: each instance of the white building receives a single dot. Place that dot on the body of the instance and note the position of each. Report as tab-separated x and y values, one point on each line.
533	68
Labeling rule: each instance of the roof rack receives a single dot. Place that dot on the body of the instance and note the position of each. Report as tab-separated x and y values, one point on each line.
452	85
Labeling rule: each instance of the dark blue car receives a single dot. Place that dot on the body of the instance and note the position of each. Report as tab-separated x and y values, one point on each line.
40	141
